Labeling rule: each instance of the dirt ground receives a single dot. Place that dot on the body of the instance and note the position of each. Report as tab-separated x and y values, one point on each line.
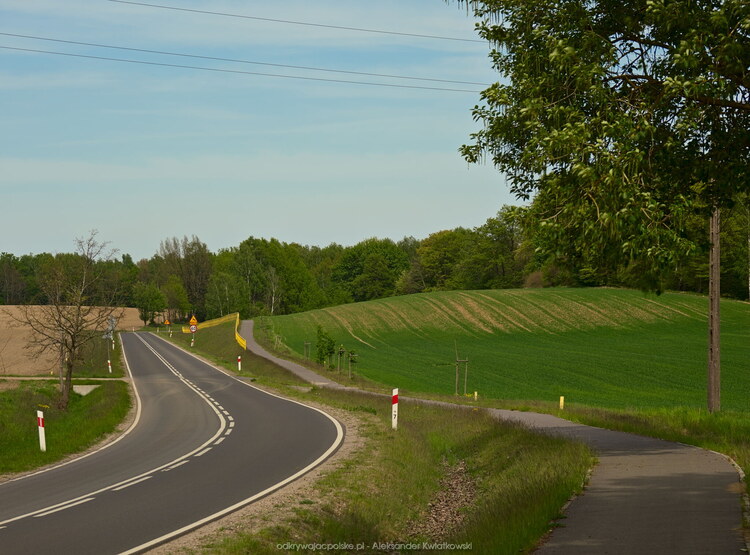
15	359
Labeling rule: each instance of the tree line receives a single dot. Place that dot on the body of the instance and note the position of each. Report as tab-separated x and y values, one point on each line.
270	277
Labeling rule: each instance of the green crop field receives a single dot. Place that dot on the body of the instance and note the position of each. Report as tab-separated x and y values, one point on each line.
611	348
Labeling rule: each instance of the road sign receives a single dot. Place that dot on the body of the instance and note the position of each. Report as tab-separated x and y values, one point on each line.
167	322
193	329
193	321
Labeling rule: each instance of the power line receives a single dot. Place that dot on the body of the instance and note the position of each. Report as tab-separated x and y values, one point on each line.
234	60
343	28
236	71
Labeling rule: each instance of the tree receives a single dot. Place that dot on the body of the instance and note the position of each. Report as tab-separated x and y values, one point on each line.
325	347
351	264
621	119
440	256
80	306
178	305
189	259
492	260
225	295
376	280
149	300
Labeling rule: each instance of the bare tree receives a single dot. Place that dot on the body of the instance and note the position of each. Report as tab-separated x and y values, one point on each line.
80	303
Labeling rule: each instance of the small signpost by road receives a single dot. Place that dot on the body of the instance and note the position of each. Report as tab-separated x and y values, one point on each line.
239	363
193	329
169	326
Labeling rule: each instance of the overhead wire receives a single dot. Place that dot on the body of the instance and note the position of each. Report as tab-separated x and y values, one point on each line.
290	22
236	71
240	61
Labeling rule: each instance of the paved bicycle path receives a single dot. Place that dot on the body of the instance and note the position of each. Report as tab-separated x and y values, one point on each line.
645	496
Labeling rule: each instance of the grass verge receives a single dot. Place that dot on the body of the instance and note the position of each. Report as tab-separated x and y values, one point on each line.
88	419
519	480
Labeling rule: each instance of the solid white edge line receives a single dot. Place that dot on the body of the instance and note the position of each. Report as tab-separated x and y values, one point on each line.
68	506
219	514
110	444
206	450
213	438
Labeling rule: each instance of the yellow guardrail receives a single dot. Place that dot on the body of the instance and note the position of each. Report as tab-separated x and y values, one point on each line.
216	321
211	323
240	340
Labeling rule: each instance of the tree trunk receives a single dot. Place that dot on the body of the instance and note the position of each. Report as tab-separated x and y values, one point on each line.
66	385
714	360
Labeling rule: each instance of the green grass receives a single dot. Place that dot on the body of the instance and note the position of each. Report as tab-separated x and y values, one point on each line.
522	478
218	345
623	359
94	360
87	420
599	347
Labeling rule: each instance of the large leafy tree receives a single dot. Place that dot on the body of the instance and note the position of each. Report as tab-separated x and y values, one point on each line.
149	300
621	120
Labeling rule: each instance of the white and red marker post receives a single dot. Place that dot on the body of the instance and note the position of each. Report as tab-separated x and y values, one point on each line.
40	424
239	363
394	409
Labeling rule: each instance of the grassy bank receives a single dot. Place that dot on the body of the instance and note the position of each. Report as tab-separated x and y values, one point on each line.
88	419
517	481
608	348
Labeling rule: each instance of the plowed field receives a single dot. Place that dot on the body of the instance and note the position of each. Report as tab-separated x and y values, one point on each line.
16	360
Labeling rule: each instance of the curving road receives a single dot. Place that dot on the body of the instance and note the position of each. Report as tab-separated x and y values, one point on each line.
204	443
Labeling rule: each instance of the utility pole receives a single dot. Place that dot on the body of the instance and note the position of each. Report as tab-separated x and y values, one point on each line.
714	276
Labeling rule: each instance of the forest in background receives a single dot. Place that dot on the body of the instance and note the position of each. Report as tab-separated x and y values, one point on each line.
267	276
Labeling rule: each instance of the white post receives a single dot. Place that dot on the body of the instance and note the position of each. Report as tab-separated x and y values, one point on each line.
40	423
394	410
562	402
109	365
239	363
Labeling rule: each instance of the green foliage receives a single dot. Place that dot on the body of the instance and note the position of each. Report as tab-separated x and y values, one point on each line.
384	261
325	346
178	305
149	300
621	120
226	294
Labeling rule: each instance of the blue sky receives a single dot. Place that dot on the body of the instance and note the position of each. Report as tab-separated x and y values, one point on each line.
145	152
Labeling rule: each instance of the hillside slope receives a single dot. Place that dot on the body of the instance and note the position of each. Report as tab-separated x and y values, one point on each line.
606	347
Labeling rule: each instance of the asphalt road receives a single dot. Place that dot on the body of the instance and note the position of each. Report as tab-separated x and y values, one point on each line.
204	444
645	496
